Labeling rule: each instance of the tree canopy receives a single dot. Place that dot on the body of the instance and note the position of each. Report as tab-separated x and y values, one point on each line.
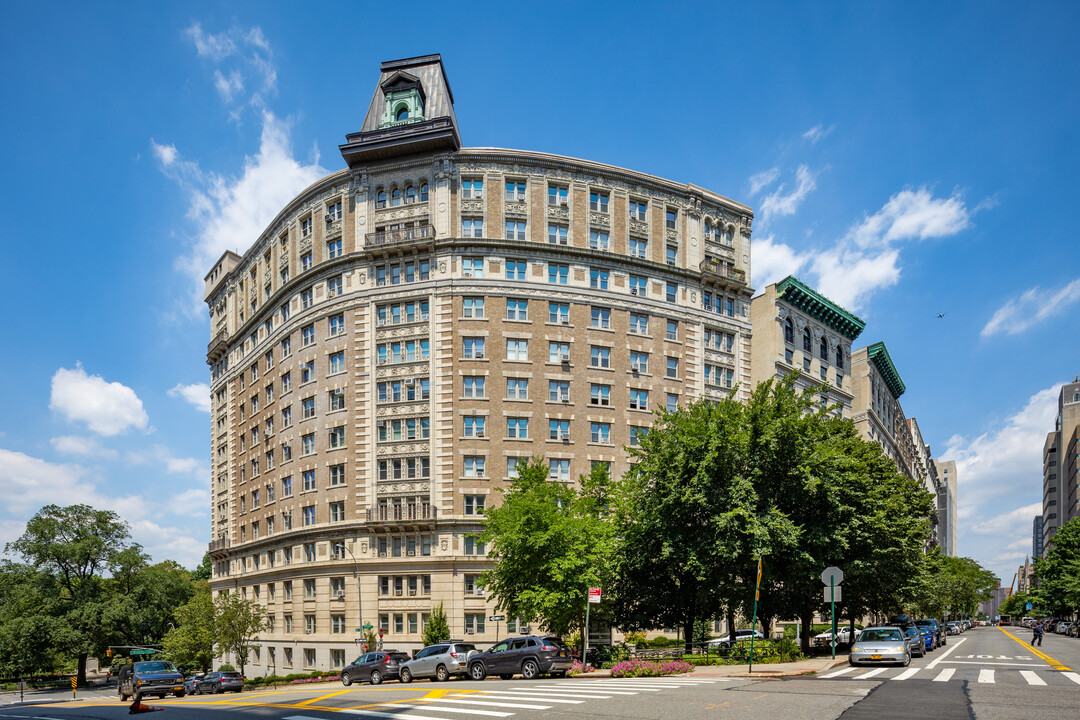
1059	572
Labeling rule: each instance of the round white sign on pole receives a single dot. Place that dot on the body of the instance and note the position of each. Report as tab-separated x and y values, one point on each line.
832	576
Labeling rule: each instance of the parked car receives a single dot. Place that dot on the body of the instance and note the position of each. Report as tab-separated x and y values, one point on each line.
438	662
530	655
844	636
878	645
149	677
374	667
928	636
740	635
190	682
1073	630
936	627
916	641
1063	627
219	682
954	628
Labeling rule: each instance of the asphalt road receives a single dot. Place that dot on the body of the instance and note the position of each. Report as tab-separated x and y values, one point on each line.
982	674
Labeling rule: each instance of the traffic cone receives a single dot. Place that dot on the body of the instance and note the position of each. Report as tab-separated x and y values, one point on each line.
141	707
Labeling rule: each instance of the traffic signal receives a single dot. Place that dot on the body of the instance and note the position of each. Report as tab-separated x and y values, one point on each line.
108	653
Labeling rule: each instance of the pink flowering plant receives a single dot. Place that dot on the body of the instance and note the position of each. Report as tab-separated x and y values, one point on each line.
645	668
578	669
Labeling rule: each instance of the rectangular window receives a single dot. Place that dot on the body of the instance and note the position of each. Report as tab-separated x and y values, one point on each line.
671	292
474	465
473	546
472	228
636	434
308	442
474	386
639	285
337	512
598	279
558	195
600	395
309	624
599	357
515	190
639	323
474	426
473	348
598	201
306	261
337	399
558	391
333	211
599	241
639	399
337	325
517	428
517	309
337	475
472	188
286	487
337	437
333	248
558	274
515	229
305	228
559	469
669	219
517	350
308	335
637	210
559	313
474	623
333	287
337	362
601	433
474	504
472	307
515	269
472	267
337	623
601	318
672	402
639	362
286	348
558	234
307	405
558	352
517	389
638	248
559	430
672	367
309	516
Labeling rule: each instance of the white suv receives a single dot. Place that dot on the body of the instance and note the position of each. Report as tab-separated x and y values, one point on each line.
438	661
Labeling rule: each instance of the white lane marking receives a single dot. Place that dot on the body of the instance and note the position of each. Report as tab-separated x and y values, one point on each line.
945	674
481	702
1032	677
986	675
1002	664
1072	676
945	654
563	688
530	697
907	673
376	713
838	673
607	687
544	692
872	673
470	711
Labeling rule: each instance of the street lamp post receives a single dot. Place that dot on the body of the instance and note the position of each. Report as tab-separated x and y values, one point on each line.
359	594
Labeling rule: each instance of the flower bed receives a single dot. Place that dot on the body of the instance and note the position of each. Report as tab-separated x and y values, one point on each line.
645	668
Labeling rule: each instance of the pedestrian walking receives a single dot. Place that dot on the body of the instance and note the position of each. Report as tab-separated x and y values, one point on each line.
1037	633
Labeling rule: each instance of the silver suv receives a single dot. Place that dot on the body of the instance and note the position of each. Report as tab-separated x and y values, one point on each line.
438	661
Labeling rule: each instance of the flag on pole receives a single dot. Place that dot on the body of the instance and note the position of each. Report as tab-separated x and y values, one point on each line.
757	588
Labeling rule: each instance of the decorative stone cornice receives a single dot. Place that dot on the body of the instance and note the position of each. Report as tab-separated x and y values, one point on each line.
879	354
792	290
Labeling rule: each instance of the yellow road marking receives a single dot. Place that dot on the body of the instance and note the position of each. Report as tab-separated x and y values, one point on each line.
1049	660
329	695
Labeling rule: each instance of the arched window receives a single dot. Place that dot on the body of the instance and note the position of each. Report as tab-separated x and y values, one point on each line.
410	195
823	350
839	358
402	114
730	234
789	331
708	230
380	199
395	197
423	193
806	340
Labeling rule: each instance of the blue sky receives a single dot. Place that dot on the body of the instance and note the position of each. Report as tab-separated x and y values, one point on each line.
905	158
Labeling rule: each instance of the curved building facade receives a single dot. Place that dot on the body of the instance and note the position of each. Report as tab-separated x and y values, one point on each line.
408	328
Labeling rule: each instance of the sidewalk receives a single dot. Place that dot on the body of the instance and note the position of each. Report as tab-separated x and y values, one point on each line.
770	670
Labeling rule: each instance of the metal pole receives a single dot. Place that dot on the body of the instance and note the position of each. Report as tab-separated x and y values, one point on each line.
585	652
753	623
832	598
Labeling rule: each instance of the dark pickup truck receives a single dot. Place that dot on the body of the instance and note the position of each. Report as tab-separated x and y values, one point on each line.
149	677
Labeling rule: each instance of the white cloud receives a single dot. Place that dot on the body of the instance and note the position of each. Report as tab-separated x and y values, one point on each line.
763	179
999	478
1031	308
228	87
162	457
28	483
106	408
166	154
175	543
848	276
198	394
818	132
215	47
79	445
772	261
779	204
194	502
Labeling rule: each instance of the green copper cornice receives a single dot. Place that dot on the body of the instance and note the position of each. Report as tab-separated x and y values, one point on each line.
819	307
880	355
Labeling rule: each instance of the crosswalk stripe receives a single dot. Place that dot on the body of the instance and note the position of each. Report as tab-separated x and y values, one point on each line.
872	673
986	675
906	674
1032	678
470	711
491	704
838	673
376	713
1072	676
500	695
544	692
637	688
563	688
945	675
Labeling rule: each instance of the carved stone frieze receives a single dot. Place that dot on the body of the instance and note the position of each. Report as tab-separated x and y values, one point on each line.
472	207
442	169
558	212
388	450
672	236
639	228
305	244
398	487
392	372
283	262
600	220
333	230
266	275
517	208
403	409
413	212
417	329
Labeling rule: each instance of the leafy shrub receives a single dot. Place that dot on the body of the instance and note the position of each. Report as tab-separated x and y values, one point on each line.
638	639
661	641
578	668
643	668
226	667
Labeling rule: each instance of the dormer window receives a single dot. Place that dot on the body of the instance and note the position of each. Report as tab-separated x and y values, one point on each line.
404	100
402	114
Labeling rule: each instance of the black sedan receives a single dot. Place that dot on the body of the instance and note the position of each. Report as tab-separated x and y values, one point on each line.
374	667
219	682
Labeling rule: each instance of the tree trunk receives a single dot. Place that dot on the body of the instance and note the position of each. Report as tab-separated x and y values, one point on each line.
81	680
688	641
807	627
731	624
766	626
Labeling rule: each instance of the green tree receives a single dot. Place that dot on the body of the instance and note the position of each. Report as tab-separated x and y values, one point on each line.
553	542
437	630
205	569
950	586
1059	571
1016	605
237	624
28	621
76	545
191	642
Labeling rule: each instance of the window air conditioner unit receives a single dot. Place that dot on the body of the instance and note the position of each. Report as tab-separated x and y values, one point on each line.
411	553
566	437
565	399
397	593
564	321
479	591
479	473
479	433
634	291
564	199
382	554
565	357
469	632
339	593
410	381
329	218
635	368
478	355
384	361
423	316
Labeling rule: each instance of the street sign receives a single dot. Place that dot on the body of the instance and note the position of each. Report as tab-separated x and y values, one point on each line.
368	627
832	594
1028	606
380	632
496	618
835	573
594	595
142	652
359	630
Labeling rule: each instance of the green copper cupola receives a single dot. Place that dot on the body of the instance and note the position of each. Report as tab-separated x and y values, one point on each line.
404	100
